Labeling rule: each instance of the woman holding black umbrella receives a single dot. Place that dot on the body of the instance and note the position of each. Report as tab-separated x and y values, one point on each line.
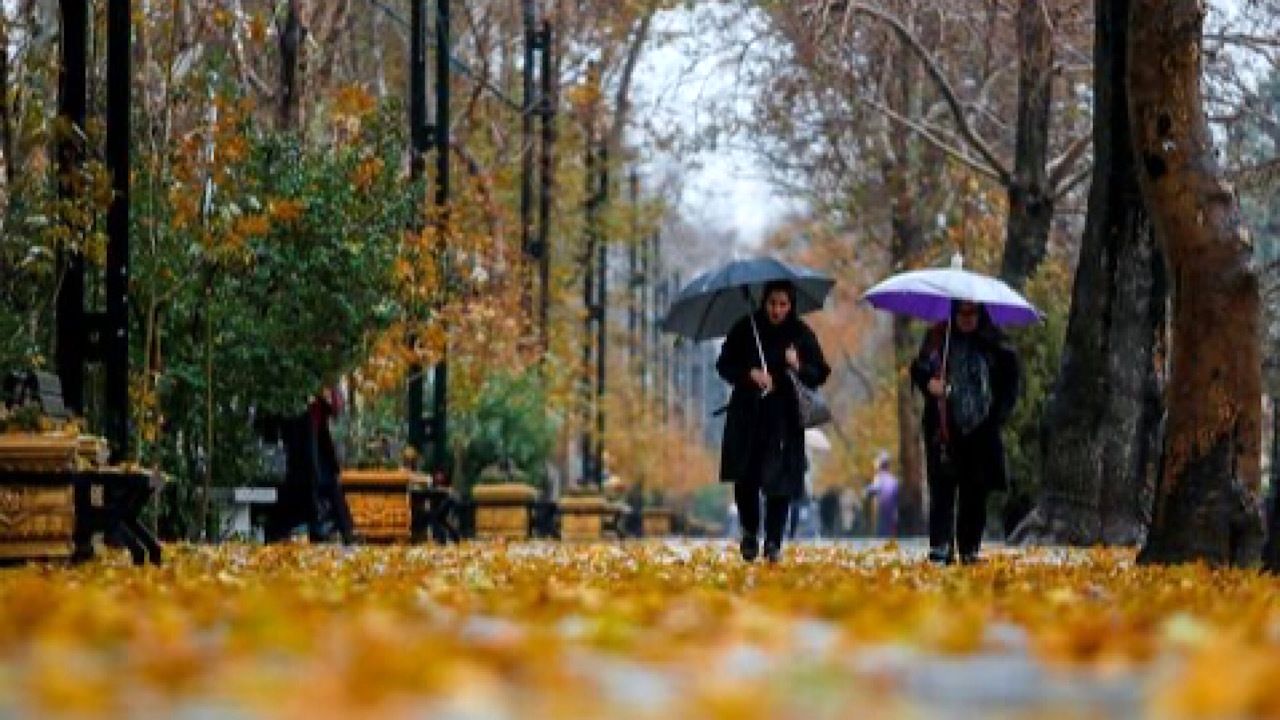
763	452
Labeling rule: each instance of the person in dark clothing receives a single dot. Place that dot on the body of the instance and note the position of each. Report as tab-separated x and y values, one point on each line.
763	451
311	492
970	383
829	513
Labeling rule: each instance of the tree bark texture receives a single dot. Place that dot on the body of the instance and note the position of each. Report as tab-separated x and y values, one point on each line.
1271	557
1207	499
1030	197
905	245
1100	421
293	37
6	112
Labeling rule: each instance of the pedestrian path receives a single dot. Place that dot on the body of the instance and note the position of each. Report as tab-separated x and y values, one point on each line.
653	629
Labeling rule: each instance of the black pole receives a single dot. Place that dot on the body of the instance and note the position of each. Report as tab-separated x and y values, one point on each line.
116	336
72	108
440	385
589	298
420	141
602	314
528	107
653	313
548	103
634	280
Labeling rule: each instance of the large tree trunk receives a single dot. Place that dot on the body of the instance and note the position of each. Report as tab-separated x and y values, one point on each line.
1100	419
1207	500
1272	554
1030	198
905	246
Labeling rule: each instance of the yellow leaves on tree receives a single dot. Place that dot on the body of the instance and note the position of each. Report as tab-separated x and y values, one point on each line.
366	172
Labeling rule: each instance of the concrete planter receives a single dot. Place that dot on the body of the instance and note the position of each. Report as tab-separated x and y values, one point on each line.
32	452
37	499
658	522
379	502
588	517
503	510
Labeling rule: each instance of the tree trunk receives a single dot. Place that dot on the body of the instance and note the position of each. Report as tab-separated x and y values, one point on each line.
910	448
6	112
1099	420
1030	198
1272	554
1207	500
293	36
905	245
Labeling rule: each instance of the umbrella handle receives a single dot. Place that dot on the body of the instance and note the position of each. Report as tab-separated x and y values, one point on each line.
759	348
942	401
755	333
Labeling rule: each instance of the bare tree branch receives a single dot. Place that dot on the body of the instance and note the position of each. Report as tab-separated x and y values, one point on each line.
1061	165
996	174
995	165
1071	182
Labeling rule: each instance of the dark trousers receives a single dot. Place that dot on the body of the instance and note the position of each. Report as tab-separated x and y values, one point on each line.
331	503
957	498
747	495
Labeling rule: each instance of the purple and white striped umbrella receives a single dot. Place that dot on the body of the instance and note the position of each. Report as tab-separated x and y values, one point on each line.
927	295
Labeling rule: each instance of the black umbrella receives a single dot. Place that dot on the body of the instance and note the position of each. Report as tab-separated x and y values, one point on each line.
712	302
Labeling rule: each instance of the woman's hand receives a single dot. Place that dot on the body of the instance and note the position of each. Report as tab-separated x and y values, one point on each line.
793	358
937	388
761	379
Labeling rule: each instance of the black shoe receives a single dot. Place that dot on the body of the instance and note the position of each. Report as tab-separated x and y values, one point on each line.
970	558
772	551
750	548
941	555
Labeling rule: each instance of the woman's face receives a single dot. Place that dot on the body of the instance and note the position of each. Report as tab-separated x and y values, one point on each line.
778	306
967	317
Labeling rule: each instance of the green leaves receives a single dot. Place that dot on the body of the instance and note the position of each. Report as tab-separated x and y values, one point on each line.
507	422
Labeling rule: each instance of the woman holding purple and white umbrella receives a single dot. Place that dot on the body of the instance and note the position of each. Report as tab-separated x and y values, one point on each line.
969	376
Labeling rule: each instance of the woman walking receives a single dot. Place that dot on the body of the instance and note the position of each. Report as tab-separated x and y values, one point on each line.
763	452
969	377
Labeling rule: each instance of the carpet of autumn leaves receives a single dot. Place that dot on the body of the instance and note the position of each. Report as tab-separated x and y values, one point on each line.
617	630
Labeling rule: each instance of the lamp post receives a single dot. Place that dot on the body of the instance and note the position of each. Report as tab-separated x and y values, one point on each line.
115	338
419	137
72	108
440	399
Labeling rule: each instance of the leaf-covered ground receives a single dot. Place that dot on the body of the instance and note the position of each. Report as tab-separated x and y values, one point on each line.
636	630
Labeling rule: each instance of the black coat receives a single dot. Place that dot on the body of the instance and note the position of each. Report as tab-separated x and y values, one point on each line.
754	423
984	441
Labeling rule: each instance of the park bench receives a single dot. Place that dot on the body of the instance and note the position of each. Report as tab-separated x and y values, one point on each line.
55	491
240	503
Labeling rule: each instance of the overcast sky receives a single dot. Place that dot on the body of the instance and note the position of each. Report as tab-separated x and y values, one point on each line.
679	85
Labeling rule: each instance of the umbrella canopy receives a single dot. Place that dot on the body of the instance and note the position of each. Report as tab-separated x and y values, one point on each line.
712	302
927	295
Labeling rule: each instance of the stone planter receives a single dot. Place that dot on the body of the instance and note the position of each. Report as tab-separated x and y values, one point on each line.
588	517
658	522
503	510
379	502
32	452
37	497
